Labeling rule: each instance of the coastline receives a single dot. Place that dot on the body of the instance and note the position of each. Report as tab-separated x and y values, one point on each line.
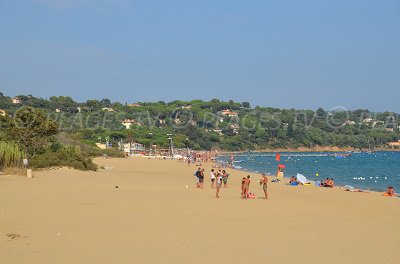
343	177
285	181
314	149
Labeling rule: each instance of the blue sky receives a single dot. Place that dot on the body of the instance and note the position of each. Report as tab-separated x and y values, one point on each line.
280	53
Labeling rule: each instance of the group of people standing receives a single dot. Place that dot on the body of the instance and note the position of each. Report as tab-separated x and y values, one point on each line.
219	178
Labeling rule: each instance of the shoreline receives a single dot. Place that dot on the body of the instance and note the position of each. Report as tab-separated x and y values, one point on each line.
341	187
286	179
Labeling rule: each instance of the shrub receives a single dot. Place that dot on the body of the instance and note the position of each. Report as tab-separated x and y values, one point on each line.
10	155
63	157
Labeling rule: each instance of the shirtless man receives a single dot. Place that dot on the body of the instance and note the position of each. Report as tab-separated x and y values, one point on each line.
390	191
264	183
246	187
243	185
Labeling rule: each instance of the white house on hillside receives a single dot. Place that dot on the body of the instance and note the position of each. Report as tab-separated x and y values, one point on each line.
128	123
16	100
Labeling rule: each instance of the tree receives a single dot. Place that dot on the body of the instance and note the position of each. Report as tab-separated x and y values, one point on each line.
321	112
31	129
246	104
105	102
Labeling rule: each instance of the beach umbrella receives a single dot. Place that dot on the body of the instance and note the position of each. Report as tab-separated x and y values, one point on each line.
281	166
301	178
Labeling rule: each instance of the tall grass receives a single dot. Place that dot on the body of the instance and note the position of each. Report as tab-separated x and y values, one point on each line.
10	155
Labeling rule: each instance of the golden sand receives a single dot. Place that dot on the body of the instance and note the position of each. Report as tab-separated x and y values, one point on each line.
140	211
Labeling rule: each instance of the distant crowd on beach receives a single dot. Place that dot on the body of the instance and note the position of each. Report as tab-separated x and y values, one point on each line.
219	179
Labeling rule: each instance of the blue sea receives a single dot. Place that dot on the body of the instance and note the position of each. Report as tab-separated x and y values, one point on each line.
365	171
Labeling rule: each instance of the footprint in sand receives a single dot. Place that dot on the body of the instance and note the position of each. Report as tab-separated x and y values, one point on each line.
14	236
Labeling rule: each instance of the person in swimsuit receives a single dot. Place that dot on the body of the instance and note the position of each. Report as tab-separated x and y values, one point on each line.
213	178
201	179
246	187
243	185
264	183
225	176
390	191
198	175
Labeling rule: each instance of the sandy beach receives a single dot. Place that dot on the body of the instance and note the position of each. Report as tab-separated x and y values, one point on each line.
68	216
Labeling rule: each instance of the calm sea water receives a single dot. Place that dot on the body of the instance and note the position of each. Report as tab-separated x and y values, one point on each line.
365	171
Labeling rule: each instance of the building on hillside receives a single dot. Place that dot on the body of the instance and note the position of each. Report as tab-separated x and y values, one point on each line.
2	112
395	144
128	123
134	149
367	120
388	129
135	105
58	110
186	106
107	109
16	100
229	113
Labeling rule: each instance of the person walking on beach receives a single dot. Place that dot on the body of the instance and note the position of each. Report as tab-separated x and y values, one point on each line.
198	175
213	178
243	187
264	183
225	177
201	179
219	185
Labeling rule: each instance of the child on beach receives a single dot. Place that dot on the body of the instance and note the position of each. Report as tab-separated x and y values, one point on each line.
213	178
219	185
